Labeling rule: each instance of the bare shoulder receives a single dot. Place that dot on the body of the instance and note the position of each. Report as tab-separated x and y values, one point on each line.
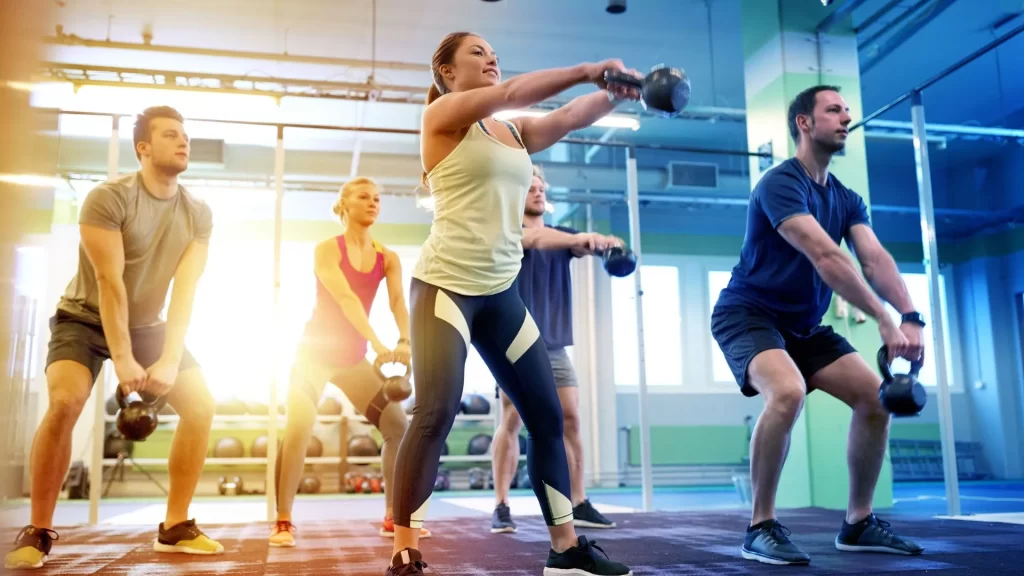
391	258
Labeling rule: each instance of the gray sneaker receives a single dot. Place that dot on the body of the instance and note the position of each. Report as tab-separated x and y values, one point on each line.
501	520
768	542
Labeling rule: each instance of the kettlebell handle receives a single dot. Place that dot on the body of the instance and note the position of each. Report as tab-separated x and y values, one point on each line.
381	361
883	364
616	77
155	402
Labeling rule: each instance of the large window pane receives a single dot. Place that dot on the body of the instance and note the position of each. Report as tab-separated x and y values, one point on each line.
662	330
917	286
717	281
231	332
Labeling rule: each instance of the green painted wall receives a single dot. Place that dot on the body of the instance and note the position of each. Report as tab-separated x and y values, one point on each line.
727	445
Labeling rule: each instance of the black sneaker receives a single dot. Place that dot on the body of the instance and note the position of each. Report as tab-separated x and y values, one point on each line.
768	542
408	562
583	560
31	548
185	538
873	535
585	515
501	520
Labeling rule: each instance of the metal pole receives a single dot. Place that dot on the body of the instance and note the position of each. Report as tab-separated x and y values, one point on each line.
931	263
595	388
99	424
632	199
276	327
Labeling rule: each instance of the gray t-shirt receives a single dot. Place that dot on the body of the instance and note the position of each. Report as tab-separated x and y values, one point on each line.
155	232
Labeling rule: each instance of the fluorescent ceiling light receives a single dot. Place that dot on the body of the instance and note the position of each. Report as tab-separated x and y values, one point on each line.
34	180
610	121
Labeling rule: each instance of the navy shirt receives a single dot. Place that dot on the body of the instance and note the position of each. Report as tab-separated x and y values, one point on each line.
772	275
545	285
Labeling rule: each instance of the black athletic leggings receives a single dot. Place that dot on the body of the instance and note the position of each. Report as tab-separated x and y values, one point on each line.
443	325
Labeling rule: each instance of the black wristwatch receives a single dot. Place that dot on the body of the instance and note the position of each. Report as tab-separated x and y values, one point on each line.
913	318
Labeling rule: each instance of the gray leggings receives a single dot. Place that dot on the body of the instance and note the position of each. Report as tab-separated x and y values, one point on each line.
362	386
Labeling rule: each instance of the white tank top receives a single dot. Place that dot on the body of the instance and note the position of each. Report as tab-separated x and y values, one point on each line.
475	242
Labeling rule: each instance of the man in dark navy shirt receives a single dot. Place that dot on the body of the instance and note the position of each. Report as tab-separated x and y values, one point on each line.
768	324
545	285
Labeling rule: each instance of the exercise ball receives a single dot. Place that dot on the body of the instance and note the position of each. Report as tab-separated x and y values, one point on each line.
259	447
228	448
315	448
475	405
478	445
309	485
329	406
363	446
111	406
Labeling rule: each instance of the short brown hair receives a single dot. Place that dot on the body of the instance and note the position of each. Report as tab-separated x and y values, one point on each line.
143	130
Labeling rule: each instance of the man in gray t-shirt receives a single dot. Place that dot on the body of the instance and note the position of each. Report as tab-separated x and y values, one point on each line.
138	234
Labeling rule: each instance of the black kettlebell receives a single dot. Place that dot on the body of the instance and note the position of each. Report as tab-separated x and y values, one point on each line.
665	91
137	419
618	261
902	394
396	388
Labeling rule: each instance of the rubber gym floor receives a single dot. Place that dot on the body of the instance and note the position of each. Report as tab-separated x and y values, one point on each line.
694	532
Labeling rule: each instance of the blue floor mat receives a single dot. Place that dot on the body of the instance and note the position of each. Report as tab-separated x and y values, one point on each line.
912	498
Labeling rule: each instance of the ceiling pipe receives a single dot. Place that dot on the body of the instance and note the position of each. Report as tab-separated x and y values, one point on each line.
72	40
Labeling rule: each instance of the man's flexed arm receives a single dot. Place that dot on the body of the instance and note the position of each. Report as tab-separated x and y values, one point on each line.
99	225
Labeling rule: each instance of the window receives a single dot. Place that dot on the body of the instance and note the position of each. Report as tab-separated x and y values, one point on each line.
917	286
662	329
720	371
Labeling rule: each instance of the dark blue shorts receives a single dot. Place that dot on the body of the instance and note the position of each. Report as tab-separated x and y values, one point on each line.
742	333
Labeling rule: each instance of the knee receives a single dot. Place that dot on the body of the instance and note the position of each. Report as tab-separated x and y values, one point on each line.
199	408
786	399
435	421
571	421
66	406
870	408
393	423
511	423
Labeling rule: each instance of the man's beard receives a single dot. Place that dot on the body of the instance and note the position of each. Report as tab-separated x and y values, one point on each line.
829	146
533	212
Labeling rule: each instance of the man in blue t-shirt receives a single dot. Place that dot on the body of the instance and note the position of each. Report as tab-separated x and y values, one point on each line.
768	324
545	285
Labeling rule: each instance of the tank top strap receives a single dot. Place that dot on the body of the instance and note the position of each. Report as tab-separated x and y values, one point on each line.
342	247
380	258
511	127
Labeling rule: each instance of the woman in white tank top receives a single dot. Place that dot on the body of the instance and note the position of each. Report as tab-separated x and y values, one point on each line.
463	289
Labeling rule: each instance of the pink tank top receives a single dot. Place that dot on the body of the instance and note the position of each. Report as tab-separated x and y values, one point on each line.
329	334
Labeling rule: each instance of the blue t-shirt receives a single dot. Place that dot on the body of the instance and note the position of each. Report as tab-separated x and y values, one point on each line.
773	276
545	285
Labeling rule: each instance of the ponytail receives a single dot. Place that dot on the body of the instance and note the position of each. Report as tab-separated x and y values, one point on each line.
444	54
433	93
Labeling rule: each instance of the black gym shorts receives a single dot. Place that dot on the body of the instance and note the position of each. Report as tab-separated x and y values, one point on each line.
742	333
84	342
